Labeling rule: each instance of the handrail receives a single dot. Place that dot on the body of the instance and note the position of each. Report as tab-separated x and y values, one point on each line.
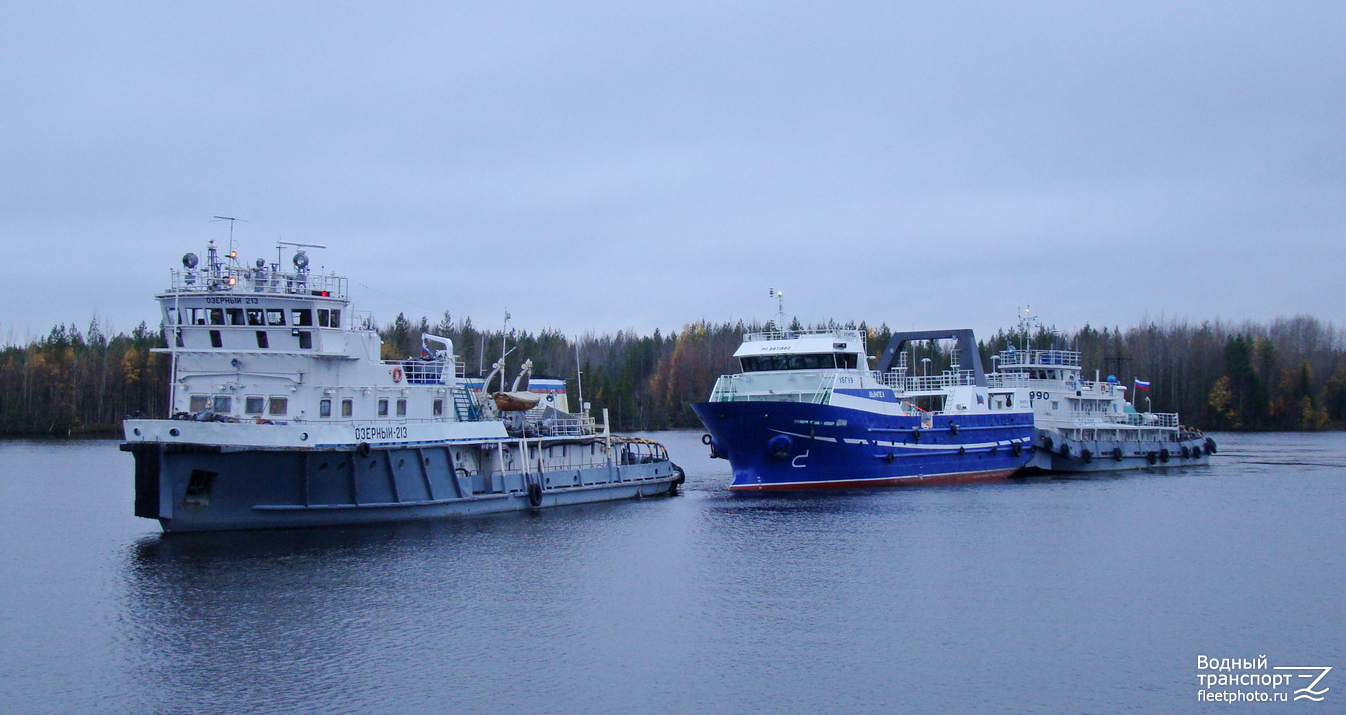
845	333
1049	358
233	279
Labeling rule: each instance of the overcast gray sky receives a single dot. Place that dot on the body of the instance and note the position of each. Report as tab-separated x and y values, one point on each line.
624	165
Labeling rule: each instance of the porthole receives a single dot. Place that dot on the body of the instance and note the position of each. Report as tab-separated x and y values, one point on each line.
174	432
401	463
341	466
136	431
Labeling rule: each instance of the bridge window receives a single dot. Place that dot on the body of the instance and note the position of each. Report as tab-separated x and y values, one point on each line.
324	408
305	340
255	317
811	361
301	316
235	315
253	405
278	406
217	316
199	403
275	316
336	318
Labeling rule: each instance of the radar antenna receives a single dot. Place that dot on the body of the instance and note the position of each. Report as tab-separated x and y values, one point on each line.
779	295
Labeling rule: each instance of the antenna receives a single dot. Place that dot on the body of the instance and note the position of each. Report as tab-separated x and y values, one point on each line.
1026	322
216	219
779	295
504	330
279	249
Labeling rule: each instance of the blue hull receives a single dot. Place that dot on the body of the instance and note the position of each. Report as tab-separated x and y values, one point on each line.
793	445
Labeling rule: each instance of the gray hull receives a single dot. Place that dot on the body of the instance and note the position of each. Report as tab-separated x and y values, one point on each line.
1053	453
190	487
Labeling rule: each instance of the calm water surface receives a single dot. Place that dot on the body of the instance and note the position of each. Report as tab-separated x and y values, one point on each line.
1045	595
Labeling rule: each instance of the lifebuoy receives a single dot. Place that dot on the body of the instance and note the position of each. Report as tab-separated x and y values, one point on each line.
535	494
397	374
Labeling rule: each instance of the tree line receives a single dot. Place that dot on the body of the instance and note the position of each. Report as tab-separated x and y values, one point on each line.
1289	374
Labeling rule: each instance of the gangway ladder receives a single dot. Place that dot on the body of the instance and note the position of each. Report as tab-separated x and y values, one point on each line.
463	406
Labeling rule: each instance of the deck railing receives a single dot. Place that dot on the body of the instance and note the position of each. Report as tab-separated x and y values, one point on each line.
1064	358
234	279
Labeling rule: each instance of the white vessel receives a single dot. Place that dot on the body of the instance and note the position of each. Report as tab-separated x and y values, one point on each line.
284	414
1088	425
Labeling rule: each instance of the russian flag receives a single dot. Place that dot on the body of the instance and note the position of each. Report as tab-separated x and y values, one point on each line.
1142	384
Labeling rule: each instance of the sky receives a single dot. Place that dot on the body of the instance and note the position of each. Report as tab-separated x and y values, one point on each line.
609	166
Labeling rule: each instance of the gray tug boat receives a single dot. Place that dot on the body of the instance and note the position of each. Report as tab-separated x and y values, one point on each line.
283	414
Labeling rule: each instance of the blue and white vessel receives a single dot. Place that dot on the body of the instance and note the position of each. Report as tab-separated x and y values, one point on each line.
807	412
284	413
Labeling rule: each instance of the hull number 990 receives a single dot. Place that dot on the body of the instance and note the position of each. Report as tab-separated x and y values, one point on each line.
1034	395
